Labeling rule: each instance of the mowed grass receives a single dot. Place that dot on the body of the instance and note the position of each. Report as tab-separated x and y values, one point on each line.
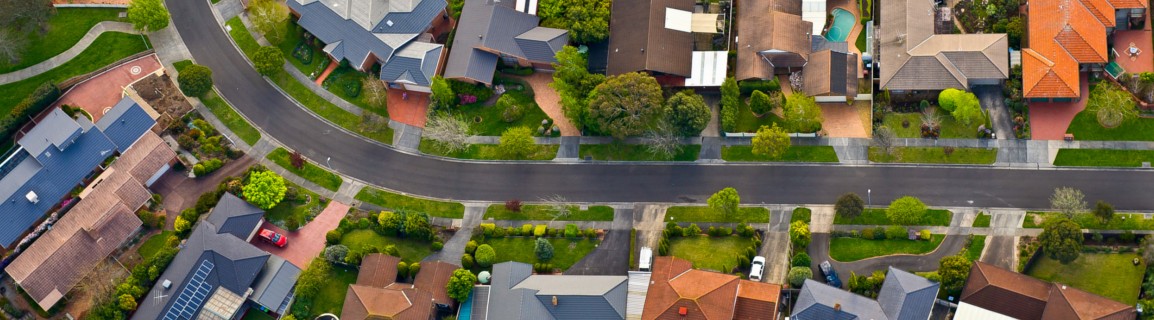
308	171
108	48
846	249
1120	221
712	253
794	154
973	252
1103	158
566	252
331	297
933	217
800	214
707	214
545	212
307	203
491	118
950	128
636	152
410	250
389	200
231	119
748	122
1085	127
935	155
982	221
1111	275
489	152
153	245
65	29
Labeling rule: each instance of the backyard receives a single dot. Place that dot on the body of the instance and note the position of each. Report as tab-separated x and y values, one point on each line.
65	29
389	200
846	249
1112	275
489	152
546	212
566	252
153	244
947	155
635	152
707	214
712	253
1103	157
933	217
308	170
794	154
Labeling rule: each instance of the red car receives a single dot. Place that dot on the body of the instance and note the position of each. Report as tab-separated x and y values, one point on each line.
273	237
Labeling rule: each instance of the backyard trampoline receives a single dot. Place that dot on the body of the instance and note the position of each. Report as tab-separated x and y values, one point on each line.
843	22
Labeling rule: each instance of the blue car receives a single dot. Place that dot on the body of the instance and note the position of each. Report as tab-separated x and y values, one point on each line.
830	275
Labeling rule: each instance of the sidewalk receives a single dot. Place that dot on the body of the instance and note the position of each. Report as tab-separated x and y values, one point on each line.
67	55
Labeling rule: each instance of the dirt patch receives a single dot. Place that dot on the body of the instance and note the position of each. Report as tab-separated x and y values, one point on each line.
162	94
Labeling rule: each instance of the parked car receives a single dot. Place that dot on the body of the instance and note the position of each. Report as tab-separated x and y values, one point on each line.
273	237
830	275
757	267
646	260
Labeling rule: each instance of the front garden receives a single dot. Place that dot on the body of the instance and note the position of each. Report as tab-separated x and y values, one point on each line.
548	250
708	214
1112	275
879	217
1119	221
943	155
1112	114
636	152
748	105
881	241
197	137
513	210
1103	158
720	249
794	154
296	163
393	201
298	208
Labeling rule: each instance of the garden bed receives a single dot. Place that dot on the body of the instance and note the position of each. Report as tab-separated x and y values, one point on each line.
707	214
1112	275
298	208
794	154
546	212
846	249
933	217
389	200
492	121
635	152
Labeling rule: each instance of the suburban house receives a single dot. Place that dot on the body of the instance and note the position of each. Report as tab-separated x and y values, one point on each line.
903	296
218	273
505	31
394	33
913	58
993	293
515	293
378	295
657	36
778	37
677	291
1068	37
57	155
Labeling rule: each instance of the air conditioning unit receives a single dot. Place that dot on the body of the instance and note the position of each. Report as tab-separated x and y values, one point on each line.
166	284
32	197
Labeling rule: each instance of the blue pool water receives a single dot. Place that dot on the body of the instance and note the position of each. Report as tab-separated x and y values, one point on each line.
843	22
466	310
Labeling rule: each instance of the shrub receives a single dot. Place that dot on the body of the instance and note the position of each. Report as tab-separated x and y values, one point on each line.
797	276
511	112
527	229
513	205
471	247
745	230
485	256
467	261
693	229
849	205
414	269
867	233
673	229
801	260
590	233
879	233
742	262
543	249
663	247
195	80
925	234
511	231
41	98
437	246
539	230
402	270
487	229
571	230
896	232
543	267
907	210
336	253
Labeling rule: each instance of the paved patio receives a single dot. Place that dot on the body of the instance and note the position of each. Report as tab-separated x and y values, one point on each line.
550	102
1050	120
410	109
100	93
308	241
1143	61
842	121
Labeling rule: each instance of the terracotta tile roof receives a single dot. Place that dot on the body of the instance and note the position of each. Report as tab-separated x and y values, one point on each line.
704	295
1024	297
770	25
433	278
756	300
378	270
912	58
1074	304
377	295
1064	34
639	40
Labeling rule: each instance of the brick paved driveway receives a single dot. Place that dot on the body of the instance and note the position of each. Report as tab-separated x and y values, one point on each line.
307	242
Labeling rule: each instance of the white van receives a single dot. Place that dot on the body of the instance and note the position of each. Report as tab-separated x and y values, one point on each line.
645	263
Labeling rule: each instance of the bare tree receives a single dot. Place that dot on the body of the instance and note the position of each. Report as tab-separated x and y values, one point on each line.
884	140
375	92
1068	201
663	141
26	15
559	206
12	47
268	16
450	132
931	118
102	281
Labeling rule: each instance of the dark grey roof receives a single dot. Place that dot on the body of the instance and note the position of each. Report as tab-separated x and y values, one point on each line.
235	216
416	63
497	26
817	300
974	65
542	44
923	73
905	296
517	294
819	43
347	38
125	123
275	285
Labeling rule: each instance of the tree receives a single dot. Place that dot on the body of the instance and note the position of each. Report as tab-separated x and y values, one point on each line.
265	189
1111	104
849	205
442	96
798	275
725	202
127	302
948	99
1068	201
587	21
517	142
663	141
313	278
1061	239
1103	210
181	225
883	140
1015	29
968	109
772	142
544	250
25	16
759	103
802	113
461	284
573	82
485	256
374	92
268	59
147	15
268	17
730	104
195	80
799	234
449	133
391	222
13	48
800	260
624	104
954	271
417	226
336	253
687	112
907	211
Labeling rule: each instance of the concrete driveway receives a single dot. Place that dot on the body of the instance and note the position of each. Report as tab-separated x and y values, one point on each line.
307	242
994	102
611	257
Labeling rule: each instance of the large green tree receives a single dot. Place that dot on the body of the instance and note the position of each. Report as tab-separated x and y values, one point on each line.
906	211
799	234
1111	104
948	99
147	15
573	82
954	270
264	189
586	20
311	280
772	142
461	284
195	80
268	60
849	205
1061	239
759	103
968	109
625	105
687	112
730	104
725	202
517	142
417	226
442	96
798	275
802	113
268	16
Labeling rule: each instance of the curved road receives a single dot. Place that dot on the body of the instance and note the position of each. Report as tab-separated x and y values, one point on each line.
279	117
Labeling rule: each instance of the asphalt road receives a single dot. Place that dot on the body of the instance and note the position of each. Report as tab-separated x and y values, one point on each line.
819	251
280	118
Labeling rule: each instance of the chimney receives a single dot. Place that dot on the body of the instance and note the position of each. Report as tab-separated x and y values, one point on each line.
683	311
554	301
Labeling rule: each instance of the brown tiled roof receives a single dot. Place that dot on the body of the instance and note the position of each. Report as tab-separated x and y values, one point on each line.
378	270
756	300
913	58
1024	297
767	25
1075	304
433	278
92	229
704	295
639	41
377	295
1064	34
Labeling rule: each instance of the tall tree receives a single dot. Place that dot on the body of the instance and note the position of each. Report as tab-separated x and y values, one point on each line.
451	133
573	82
730	104
802	113
14	44
725	202
624	105
1111	104
268	16
543	249
759	103
772	142
906	211
687	112
586	20
374	92
884	139
517	142
461	284
1061	239
954	271
663	140
268	60
195	80
264	189
1068	201
26	15
147	15
849	205
443	96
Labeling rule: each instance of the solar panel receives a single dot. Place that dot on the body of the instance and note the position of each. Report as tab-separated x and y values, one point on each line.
193	295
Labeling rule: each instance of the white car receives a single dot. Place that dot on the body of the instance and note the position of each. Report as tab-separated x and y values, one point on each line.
756	268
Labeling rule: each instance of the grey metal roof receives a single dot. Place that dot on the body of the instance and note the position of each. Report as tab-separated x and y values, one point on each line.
517	294
57	130
125	123
905	296
275	285
353	35
542	44
415	62
638	289
235	216
495	25
819	43
817	300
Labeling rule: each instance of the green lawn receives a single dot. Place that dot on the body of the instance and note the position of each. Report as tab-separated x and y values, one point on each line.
410	250
1120	221
231	119
712	253
706	214
1085	127
489	152
108	48
635	152
861	40
973	252
489	120
65	29
254	314
748	122
331	297
303	209
846	249
376	130
935	155
308	171
566	252
794	154
950	128
934	217
153	244
545	212
293	35
395	201
982	221
1110	275
800	214
1103	157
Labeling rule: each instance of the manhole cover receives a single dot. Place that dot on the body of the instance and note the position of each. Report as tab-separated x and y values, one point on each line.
135	70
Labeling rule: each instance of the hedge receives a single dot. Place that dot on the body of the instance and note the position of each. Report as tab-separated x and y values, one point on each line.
40	98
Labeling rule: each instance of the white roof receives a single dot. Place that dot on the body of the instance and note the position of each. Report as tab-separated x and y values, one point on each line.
679	20
814	11
638	288
708	69
968	311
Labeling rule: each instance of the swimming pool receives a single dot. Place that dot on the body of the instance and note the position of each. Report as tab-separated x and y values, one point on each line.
843	22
